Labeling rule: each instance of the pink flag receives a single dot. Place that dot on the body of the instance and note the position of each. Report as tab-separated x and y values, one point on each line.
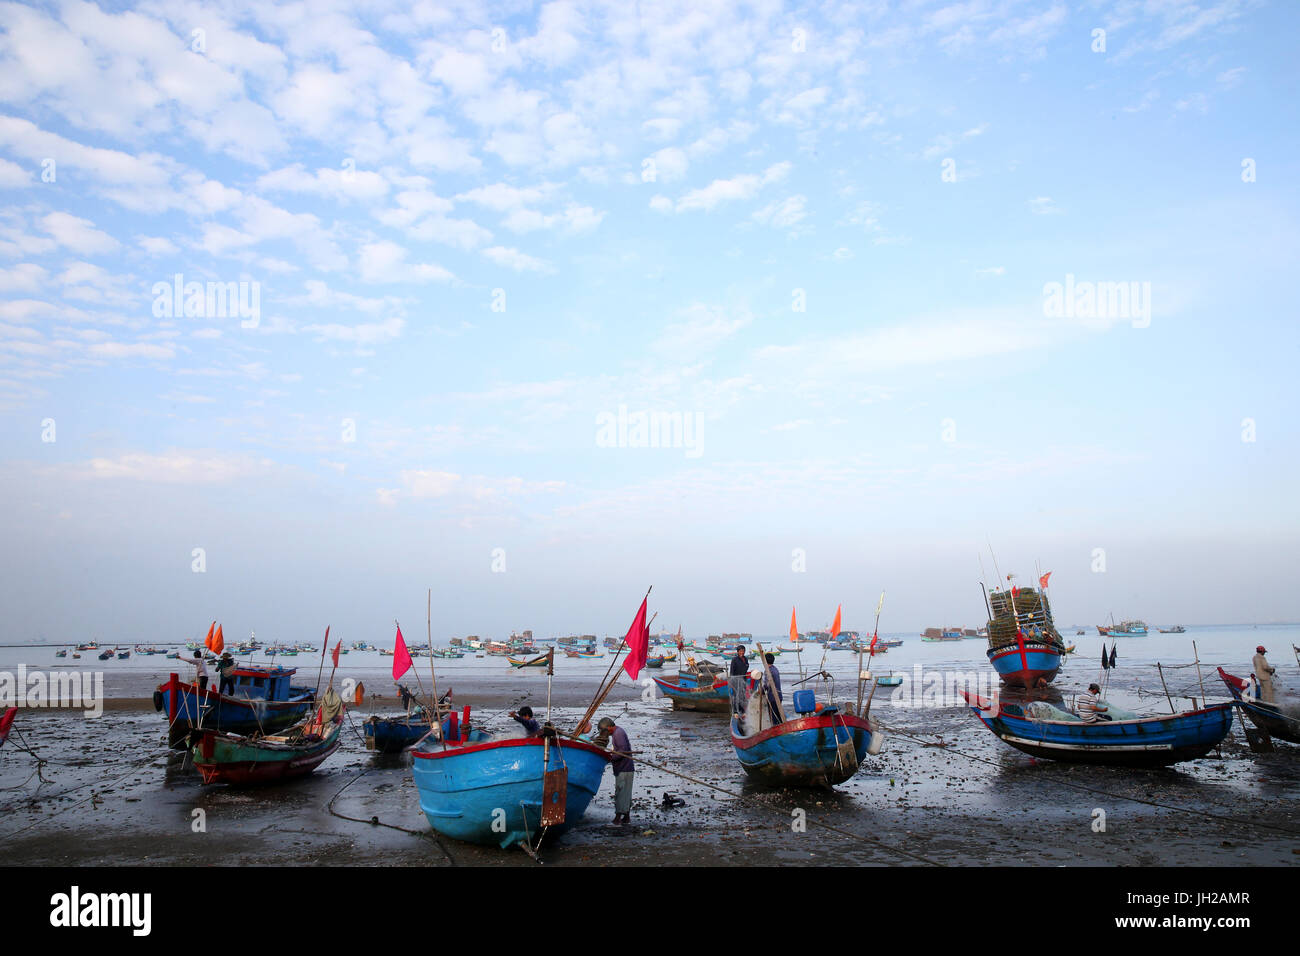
638	643
401	656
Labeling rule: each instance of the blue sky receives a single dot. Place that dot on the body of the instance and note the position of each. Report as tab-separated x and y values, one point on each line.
822	234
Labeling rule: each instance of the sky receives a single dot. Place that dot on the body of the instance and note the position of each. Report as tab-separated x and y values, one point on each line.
309	309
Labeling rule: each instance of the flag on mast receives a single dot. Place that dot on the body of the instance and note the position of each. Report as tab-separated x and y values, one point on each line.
794	630
1042	582
835	627
401	656
638	643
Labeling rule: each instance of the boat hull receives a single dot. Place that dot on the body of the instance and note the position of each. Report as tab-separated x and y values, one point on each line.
804	752
491	793
393	735
226	714
1267	717
242	761
715	699
1142	742
1026	662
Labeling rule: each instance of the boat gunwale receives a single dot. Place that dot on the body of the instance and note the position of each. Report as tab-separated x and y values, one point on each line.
982	711
458	749
805	723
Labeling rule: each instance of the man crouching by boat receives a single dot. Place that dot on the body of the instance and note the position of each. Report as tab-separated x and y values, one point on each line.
623	766
1090	707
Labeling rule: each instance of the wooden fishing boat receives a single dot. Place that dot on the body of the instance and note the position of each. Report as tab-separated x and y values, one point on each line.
820	746
1176	629
61	653
1103	631
245	761
889	680
123	655
700	685
1128	629
1133	742
1273	719
391	735
488	790
535	662
263	701
1024	646
655	663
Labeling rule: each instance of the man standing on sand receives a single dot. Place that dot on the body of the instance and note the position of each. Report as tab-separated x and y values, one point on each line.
624	769
739	678
1264	671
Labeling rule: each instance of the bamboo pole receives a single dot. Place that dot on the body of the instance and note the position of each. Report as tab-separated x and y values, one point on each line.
603	691
1200	680
436	720
767	676
1166	687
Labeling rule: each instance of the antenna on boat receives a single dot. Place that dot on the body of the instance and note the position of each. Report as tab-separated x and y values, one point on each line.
436	724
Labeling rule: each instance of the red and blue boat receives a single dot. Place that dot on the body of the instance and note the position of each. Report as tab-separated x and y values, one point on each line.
256	760
482	789
821	746
1041	730
392	735
1273	719
702	689
1025	647
263	700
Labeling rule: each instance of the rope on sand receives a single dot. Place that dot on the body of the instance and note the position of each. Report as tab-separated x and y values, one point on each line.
375	821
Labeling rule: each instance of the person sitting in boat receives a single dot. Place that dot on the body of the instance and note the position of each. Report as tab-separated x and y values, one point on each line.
525	717
1252	689
1090	707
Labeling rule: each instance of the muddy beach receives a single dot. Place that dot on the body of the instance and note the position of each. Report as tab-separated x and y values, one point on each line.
943	791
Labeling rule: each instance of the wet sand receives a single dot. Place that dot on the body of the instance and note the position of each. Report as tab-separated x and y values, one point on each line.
116	795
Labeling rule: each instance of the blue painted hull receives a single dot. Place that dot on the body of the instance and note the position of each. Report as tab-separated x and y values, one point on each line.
491	793
1026	662
804	752
393	735
1143	742
713	699
230	716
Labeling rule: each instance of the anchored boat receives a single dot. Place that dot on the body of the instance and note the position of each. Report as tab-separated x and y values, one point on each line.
244	761
1273	719
700	685
1024	646
1042	730
263	700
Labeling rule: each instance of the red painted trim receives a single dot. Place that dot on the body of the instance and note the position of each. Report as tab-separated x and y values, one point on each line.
814	722
453	749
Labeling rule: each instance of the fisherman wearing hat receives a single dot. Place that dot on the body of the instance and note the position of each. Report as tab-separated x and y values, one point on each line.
1264	671
623	766
225	670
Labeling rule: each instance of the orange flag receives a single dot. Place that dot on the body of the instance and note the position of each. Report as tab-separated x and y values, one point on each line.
207	641
794	631
218	642
835	628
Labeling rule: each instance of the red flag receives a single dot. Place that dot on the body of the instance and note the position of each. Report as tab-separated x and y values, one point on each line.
6	722
638	643
835	628
401	656
336	654
872	651
1015	591
1042	582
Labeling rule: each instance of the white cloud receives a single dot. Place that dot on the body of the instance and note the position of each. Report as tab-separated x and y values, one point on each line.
728	190
386	262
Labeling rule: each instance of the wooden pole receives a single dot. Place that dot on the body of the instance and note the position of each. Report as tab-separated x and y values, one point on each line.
320	670
1200	680
1166	687
436	722
767	677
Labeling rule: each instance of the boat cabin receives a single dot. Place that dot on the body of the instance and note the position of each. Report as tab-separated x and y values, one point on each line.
265	683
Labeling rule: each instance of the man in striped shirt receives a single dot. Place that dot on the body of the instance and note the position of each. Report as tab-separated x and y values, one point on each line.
1089	707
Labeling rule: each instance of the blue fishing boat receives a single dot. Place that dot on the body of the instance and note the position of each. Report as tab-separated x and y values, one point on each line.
483	789
1041	730
700	685
1026	661
391	735
1273	719
263	700
821	746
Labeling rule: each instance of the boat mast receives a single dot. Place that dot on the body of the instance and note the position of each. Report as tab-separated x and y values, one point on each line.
436	724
